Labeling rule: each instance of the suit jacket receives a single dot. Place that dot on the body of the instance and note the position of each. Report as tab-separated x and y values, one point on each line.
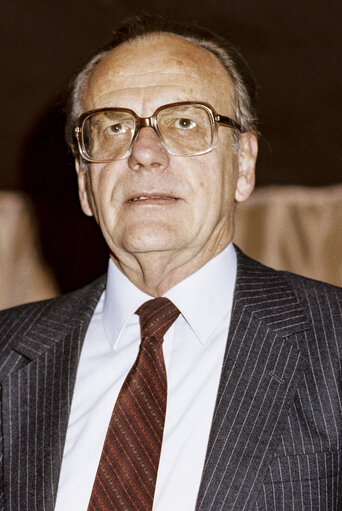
275	442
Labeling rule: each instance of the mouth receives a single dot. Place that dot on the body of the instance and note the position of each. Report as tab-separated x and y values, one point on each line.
152	198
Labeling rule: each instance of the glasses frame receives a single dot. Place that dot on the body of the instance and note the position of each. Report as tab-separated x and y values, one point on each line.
151	122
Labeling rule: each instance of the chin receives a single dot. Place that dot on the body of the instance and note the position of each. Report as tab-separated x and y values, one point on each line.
149	244
149	239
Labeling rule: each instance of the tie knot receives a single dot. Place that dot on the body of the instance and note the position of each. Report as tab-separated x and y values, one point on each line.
156	317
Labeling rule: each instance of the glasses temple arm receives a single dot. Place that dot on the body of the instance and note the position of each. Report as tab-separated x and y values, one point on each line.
227	121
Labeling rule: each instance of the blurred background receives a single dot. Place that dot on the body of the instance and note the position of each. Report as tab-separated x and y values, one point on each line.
294	51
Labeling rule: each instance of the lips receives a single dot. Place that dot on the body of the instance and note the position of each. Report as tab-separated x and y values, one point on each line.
152	197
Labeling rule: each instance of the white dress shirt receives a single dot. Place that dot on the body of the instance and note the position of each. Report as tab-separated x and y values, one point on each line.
193	350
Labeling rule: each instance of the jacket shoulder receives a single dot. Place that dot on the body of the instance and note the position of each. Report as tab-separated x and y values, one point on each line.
15	322
321	301
300	283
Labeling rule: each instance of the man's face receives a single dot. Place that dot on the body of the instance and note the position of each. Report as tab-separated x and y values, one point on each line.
185	206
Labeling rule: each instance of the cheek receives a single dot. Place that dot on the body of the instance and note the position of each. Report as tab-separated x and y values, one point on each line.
104	185
217	177
218	186
206	199
100	191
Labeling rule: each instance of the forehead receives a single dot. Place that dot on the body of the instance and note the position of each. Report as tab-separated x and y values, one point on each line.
159	69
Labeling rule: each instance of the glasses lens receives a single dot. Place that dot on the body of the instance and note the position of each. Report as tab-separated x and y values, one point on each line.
186	129
107	135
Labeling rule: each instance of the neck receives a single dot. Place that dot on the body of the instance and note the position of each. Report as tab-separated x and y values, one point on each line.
157	272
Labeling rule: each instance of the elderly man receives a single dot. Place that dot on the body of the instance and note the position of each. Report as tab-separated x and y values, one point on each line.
190	377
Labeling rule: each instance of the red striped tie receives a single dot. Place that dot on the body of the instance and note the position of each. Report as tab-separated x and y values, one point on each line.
127	472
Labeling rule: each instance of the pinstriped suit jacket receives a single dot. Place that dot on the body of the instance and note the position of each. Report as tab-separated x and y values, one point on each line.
275	442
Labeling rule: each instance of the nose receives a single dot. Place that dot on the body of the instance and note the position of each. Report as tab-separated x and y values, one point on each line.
148	152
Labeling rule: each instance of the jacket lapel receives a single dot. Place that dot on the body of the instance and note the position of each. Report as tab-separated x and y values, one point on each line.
261	370
37	398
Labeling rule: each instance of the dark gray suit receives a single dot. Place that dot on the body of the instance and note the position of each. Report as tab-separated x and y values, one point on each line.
275	442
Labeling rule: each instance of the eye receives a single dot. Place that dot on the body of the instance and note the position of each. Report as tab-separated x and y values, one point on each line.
116	129
185	124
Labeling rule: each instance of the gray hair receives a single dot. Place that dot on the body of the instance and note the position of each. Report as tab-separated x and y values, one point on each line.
244	85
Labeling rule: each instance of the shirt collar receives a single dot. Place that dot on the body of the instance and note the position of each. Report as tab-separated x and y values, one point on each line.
207	293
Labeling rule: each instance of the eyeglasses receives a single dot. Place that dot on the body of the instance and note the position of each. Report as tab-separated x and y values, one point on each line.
185	129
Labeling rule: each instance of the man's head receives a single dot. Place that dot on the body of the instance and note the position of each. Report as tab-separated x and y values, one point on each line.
133	29
174	211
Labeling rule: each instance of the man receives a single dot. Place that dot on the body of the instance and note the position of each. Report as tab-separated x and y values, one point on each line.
166	147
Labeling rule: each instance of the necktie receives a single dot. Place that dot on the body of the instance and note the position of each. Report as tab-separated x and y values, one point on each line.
127	472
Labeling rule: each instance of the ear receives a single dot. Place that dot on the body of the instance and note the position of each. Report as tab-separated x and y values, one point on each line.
248	151
82	187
